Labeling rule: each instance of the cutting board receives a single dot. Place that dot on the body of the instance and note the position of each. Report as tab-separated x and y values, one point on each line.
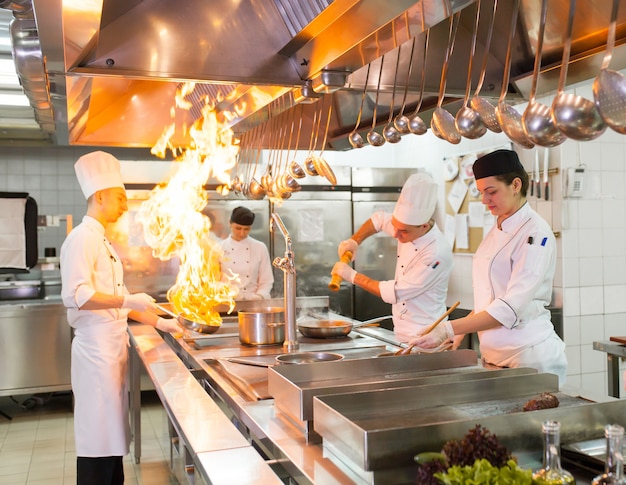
619	340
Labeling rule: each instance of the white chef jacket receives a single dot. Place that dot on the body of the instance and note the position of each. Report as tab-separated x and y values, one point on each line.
99	361
513	271
250	260
420	285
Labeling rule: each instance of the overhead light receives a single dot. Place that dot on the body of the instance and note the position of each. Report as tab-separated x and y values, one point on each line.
13	100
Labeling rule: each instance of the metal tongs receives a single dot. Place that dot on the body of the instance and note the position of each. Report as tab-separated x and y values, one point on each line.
407	350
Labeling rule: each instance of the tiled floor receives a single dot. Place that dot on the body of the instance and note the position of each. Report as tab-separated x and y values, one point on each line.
37	445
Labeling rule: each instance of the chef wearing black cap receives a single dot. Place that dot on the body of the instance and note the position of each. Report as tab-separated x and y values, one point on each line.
513	270
246	257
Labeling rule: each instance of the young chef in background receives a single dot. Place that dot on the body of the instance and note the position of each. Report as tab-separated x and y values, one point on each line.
247	257
418	291
98	305
512	274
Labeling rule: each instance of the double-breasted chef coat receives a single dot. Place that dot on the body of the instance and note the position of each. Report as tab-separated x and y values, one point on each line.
90	264
418	291
250	259
513	271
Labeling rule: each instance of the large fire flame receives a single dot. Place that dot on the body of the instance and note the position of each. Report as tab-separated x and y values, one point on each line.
173	223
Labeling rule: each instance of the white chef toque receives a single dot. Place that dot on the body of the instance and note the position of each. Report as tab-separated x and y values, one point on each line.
98	171
417	201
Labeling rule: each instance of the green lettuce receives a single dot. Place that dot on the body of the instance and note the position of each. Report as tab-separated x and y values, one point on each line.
484	473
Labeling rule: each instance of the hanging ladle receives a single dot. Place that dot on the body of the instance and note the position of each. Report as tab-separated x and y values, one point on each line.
574	116
467	120
390	132
373	137
355	138
486	111
610	86
537	121
401	122
416	123
509	119
442	121
295	169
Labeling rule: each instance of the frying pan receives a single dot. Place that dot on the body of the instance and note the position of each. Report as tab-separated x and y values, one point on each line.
333	328
189	324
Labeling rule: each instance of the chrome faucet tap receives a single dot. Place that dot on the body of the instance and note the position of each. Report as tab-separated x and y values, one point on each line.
288	267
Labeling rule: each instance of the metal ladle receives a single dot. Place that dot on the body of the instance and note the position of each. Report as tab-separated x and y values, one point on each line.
401	122
609	87
509	118
467	120
373	137
536	121
390	132
486	111
355	138
416	123
442	120
574	116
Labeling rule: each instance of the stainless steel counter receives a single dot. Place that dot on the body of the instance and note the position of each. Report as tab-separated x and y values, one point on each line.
200	394
35	343
615	352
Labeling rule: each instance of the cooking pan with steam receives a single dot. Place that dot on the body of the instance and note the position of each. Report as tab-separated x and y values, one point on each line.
189	324
333	328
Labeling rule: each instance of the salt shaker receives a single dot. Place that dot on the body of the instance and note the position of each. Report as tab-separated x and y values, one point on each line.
614	461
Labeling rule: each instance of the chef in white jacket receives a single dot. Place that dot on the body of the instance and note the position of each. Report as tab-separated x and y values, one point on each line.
513	270
98	305
246	257
418	291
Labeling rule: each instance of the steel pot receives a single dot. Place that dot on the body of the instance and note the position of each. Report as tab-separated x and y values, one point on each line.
333	328
262	327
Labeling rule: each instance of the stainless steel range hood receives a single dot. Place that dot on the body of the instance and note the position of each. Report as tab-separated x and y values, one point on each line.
113	66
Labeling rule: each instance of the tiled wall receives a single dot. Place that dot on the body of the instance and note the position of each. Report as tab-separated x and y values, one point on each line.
47	174
590	283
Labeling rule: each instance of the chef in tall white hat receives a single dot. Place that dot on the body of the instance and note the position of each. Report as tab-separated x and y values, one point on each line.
98	307
417	293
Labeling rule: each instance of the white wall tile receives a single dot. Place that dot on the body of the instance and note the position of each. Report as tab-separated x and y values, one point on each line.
592	360
571	331
572	352
596	383
571	302
591	271
591	300
591	328
589	214
590	242
612	155
571	272
614	299
614	270
614	325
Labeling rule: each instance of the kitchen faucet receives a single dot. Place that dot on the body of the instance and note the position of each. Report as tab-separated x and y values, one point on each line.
287	265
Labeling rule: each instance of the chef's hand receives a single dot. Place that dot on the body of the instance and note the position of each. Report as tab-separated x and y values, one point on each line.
344	270
256	296
140	302
348	245
441	334
169	325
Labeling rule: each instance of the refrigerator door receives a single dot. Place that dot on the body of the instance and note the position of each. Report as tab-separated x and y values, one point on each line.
376	258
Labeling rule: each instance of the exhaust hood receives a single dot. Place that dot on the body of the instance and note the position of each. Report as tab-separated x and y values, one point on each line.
112	67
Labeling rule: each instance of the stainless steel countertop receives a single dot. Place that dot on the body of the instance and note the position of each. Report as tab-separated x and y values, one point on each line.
279	438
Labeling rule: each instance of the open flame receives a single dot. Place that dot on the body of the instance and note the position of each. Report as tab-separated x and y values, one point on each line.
173	223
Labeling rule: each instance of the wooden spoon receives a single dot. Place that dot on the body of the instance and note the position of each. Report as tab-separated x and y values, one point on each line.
407	350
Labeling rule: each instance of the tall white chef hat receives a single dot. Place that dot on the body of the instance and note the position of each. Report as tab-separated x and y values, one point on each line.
98	171
417	201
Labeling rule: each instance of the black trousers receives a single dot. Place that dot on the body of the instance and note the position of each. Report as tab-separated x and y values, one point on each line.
106	470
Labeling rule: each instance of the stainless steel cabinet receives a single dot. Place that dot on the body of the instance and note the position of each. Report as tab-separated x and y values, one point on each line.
35	343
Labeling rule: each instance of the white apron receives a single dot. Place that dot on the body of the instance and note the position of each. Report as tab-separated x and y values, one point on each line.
100	386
